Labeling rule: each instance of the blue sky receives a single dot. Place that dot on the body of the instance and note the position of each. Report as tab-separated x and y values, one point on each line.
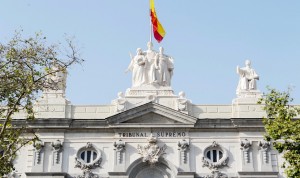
206	38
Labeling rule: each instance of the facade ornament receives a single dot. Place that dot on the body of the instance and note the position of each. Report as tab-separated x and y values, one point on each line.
38	145
151	67
183	146
217	160
182	102
264	146
151	152
94	160
216	174
120	148
248	77
121	102
57	146
245	146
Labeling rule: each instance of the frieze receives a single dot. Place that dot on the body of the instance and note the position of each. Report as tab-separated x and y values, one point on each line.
157	134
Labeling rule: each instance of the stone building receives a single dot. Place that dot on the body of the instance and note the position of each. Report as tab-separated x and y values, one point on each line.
150	132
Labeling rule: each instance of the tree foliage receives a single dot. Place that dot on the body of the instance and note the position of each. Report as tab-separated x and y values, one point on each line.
283	129
25	64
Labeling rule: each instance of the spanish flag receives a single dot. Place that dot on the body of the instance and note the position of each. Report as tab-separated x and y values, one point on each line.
158	29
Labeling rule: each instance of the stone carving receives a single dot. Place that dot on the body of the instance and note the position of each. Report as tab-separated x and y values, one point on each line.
245	146
247	79
216	174
183	146
264	146
87	167
182	102
56	78
151	152
38	145
137	67
57	146
88	174
120	102
151	67
120	148
165	68
222	162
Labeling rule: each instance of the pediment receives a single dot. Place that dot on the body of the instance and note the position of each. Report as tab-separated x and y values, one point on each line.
151	115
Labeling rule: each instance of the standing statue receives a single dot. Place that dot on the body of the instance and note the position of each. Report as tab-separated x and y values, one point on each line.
137	67
248	77
151	67
165	68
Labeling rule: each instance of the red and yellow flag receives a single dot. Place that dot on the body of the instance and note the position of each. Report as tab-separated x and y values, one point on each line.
158	29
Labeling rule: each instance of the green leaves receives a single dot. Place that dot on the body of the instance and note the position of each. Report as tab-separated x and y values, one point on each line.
25	67
283	129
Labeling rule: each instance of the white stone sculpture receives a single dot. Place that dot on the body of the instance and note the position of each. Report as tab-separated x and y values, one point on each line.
182	102
248	78
38	145
151	65
151	152
56	78
165	68
137	67
120	102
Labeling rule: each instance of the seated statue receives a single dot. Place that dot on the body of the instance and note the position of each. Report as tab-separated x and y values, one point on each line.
248	77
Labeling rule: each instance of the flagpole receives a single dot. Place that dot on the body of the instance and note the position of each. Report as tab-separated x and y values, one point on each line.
150	23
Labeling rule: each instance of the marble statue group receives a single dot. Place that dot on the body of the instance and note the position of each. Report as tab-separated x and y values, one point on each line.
150	67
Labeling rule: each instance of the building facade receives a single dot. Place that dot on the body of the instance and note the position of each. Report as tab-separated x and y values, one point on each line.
150	132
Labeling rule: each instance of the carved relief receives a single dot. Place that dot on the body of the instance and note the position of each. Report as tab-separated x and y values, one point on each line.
183	146
245	146
57	146
38	145
120	148
216	174
151	152
215	156
88	158
264	146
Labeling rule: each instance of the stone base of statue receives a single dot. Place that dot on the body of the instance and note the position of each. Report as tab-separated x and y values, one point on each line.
53	97
149	90
247	97
163	95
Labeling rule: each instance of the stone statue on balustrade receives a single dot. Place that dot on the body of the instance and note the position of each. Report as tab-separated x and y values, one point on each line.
138	69
248	77
56	78
165	68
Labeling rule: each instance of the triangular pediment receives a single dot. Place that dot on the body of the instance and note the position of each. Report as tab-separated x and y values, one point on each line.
151	115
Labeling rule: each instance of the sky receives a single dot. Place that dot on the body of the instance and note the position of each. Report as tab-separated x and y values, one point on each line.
206	38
